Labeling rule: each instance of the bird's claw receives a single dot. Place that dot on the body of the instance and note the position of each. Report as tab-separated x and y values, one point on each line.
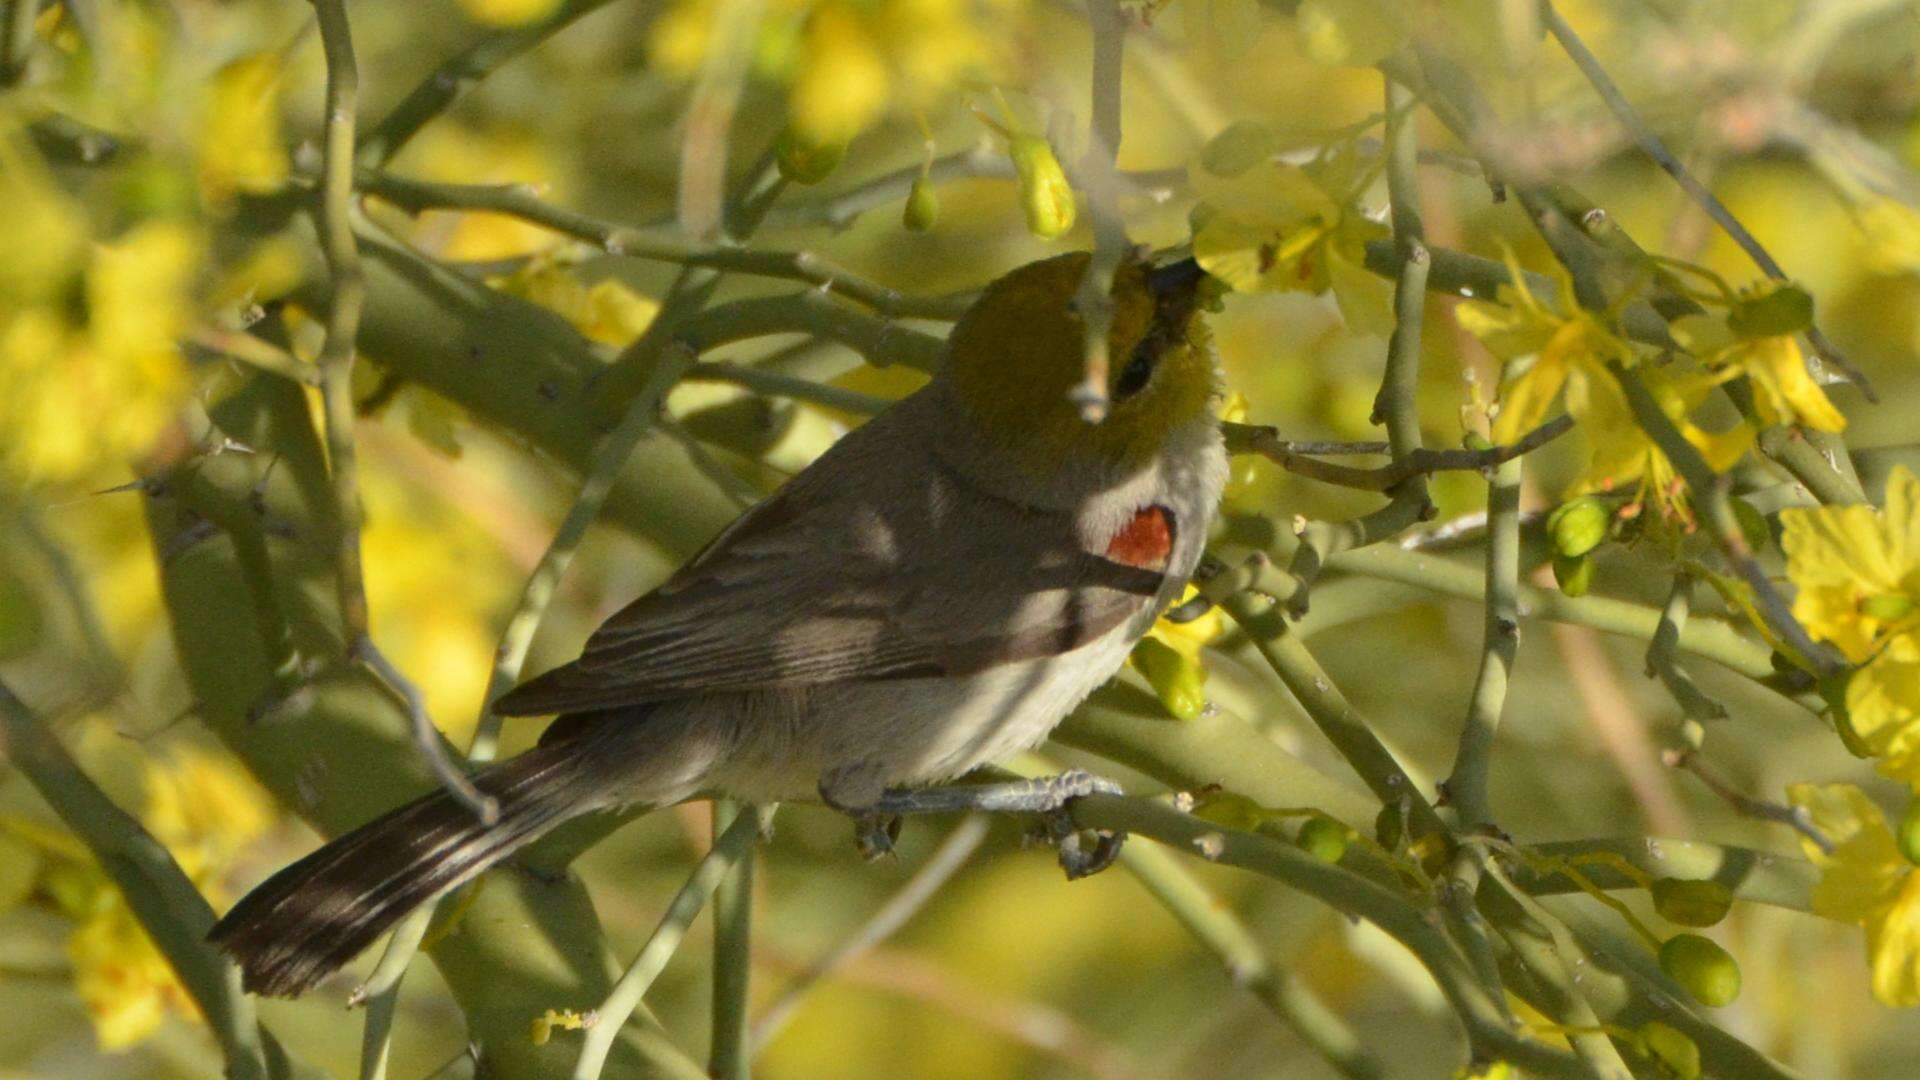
875	834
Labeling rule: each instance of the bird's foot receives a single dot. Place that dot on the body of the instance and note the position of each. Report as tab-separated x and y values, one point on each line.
877	826
875	834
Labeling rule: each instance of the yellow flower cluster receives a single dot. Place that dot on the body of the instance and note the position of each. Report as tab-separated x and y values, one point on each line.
205	812
1866	880
846	63
1856	572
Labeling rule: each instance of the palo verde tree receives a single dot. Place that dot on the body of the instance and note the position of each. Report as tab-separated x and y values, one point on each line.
1549	703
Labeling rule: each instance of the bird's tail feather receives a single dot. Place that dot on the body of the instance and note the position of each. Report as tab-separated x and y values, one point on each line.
312	917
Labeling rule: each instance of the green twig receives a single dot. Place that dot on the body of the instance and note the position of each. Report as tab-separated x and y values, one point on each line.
165	901
1473	762
1096	174
1662	663
730	1056
733	846
447	83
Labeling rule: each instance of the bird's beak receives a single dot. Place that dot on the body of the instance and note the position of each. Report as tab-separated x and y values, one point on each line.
1175	282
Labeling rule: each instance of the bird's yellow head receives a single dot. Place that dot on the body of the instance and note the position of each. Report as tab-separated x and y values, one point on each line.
1016	357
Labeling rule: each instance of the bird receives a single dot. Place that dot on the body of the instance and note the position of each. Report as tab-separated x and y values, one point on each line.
934	593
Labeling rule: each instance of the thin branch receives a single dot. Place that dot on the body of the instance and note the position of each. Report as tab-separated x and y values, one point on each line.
731	1056
1662	662
256	353
731	32
1265	441
735	844
881	341
1473	761
780	384
1651	145
162	897
886	920
447	83
520	201
1097	174
1795	817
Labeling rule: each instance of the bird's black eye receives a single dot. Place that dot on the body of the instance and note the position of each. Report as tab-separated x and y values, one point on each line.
1134	377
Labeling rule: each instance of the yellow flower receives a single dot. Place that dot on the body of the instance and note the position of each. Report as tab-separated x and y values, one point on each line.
1621	453
1783	390
1856	571
607	312
205	811
1569	353
1866	881
241	149
449	153
1354	33
847	63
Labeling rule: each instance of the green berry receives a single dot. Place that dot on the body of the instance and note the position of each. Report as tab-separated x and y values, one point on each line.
1702	968
1178	681
1677	1054
1579	526
1691	903
1908	832
1045	195
923	206
1323	838
1575	575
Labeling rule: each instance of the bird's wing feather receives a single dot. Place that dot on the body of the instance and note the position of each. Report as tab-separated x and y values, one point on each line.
918	574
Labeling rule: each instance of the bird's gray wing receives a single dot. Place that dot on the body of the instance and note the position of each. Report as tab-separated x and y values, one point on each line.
916	575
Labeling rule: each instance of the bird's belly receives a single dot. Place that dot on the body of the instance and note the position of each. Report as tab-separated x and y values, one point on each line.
913	732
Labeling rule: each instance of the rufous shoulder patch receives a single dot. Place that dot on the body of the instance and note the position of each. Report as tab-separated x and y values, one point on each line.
1145	541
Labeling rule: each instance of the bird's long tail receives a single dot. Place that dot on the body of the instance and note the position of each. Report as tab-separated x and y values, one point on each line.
310	918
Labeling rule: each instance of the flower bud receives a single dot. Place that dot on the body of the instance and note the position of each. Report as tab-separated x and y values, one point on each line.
923	206
1908	832
1676	1052
1702	968
1579	526
804	161
1323	838
1045	195
1772	310
1753	524
1388	827
1575	575
1691	903
1175	678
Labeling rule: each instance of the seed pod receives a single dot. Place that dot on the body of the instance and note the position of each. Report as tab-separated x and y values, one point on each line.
803	161
1691	903
923	206
1676	1052
1702	968
1574	575
1045	195
1323	838
1579	526
1753	524
1389	828
1174	678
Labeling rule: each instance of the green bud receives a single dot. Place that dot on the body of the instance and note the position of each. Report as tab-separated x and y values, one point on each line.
1908	832
1323	838
1579	526
1691	903
1177	680
1702	968
1673	1049
923	206
1476	441
1240	146
1388	827
1772	310
1045	195
1887	607
1753	524
1574	575
803	161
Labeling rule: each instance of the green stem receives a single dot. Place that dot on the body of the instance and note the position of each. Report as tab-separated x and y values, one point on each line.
733	846
731	1054
170	909
1473	762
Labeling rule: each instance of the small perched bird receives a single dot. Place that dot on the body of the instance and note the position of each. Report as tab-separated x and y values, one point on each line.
934	593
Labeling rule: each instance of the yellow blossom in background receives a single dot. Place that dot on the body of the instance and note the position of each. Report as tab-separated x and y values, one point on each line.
1866	880
847	64
1891	231
76	398
448	153
205	812
607	311
508	12
1353	33
1568	353
1620	453
1856	572
241	148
